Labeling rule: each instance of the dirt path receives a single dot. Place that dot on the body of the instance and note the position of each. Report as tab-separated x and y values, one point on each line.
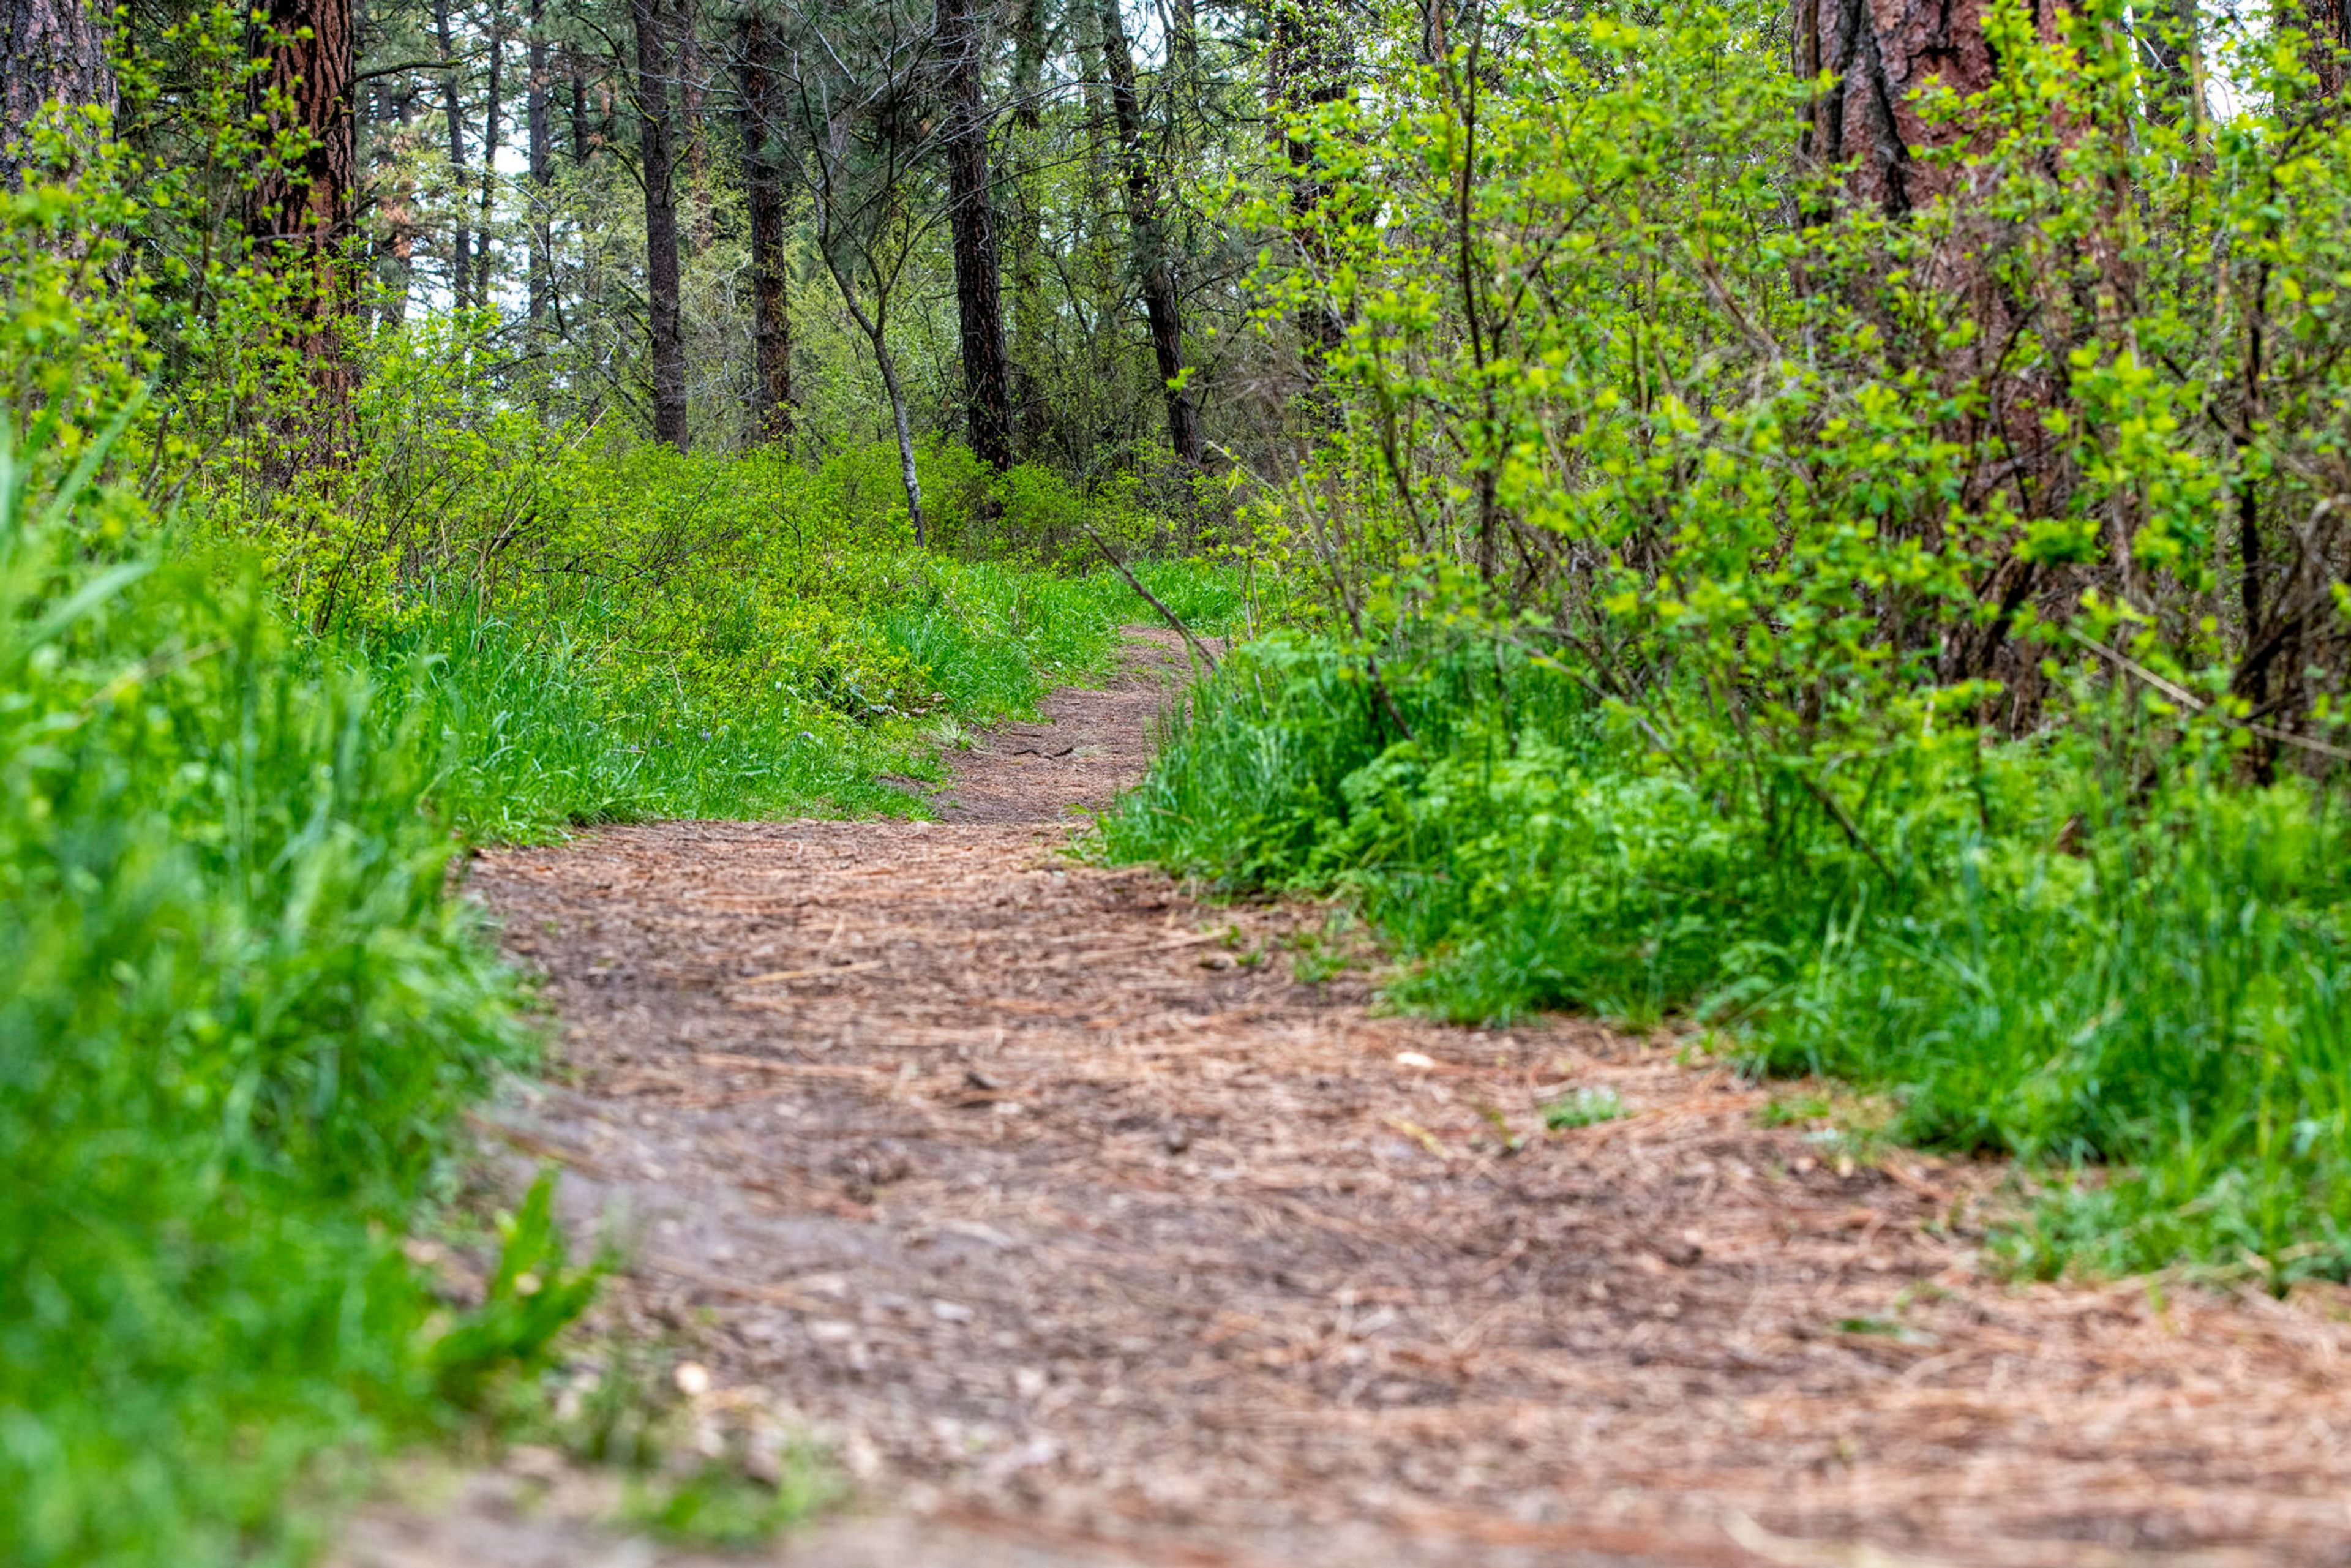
1089	1234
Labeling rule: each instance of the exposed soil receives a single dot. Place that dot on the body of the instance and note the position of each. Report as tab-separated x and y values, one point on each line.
1086	1231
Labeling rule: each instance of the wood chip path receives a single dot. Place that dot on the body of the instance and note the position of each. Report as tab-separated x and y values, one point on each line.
1086	1232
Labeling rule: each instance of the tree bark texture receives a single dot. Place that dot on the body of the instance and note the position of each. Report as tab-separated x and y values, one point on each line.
692	88
452	109
542	169
771	408
971	218
50	51
299	214
583	138
493	109
2328	23
1154	267
1878	52
656	127
1031	418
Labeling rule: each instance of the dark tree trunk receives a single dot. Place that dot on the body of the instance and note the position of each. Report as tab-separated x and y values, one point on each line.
299	214
691	91
1308	66
1880	52
1154	267
2328	23
542	170
582	139
461	249
771	408
655	130
50	49
492	126
1030	419
971	217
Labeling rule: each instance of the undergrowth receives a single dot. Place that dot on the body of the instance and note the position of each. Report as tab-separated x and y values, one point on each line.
2135	973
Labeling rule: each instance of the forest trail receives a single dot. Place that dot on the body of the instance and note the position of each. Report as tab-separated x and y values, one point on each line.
1088	1231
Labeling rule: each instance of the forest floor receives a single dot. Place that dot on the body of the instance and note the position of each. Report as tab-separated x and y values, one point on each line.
1087	1227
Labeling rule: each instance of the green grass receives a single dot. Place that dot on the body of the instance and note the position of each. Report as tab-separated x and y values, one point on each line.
1585	1108
542	727
2058	958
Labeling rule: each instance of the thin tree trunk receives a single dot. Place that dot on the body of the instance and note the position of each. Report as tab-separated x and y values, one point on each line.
1156	268
461	250
771	411
913	480
2328	23
876	329
395	204
654	129
1028	320
987	376
581	139
491	129
2171	45
691	91
49	49
542	172
1307	67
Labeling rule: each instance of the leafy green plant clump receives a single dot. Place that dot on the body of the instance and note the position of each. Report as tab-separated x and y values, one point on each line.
2035	952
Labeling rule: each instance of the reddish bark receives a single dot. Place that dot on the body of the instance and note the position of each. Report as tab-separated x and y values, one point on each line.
1879	53
298	213
49	51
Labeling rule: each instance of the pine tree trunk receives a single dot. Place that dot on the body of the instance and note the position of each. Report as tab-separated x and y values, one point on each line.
1880	52
50	49
461	250
655	130
971	217
492	128
583	138
691	91
1155	267
299	216
770	410
542	172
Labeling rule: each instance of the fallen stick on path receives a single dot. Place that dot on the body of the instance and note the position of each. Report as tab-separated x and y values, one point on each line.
1151	599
